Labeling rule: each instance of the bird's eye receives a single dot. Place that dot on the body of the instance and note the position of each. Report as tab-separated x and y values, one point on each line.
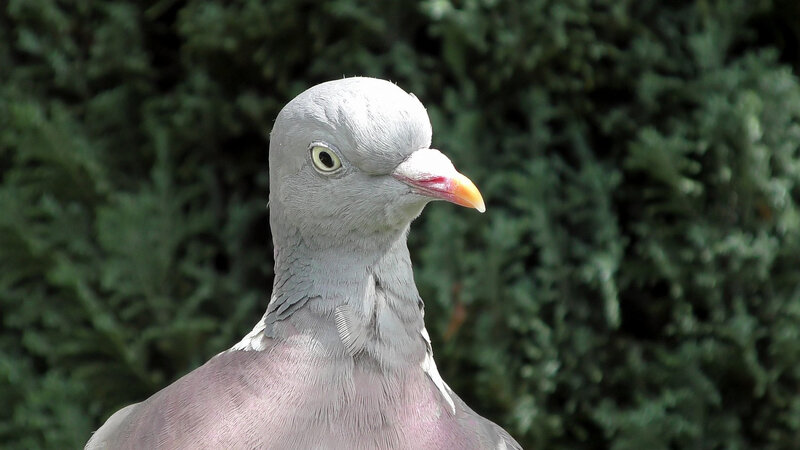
324	159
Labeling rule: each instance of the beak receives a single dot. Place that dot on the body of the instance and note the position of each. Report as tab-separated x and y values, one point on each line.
430	173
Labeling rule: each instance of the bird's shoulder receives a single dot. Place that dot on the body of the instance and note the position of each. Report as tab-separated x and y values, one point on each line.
489	433
224	397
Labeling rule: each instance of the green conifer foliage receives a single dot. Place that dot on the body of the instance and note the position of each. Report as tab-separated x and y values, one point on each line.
634	284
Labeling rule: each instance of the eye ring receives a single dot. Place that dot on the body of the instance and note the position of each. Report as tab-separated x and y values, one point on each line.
325	160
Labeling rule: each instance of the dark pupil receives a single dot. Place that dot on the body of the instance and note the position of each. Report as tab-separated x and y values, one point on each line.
326	159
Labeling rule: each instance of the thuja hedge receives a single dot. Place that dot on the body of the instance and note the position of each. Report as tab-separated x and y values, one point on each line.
634	284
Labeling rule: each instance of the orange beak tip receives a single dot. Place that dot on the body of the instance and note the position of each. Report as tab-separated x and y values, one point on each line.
465	193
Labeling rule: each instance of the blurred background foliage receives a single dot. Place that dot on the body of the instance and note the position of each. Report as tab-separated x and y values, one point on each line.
635	283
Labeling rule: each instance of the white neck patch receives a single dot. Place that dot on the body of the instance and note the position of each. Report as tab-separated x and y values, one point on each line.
254	340
429	367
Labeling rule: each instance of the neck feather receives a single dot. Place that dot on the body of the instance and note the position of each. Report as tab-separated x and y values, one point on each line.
356	297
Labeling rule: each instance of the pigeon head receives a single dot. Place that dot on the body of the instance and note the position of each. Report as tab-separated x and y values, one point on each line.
351	158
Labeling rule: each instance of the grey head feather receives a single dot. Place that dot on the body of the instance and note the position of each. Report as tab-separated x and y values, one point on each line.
374	121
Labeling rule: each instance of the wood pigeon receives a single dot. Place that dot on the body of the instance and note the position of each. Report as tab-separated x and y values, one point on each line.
341	358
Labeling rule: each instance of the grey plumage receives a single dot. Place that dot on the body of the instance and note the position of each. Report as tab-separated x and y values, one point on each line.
341	359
